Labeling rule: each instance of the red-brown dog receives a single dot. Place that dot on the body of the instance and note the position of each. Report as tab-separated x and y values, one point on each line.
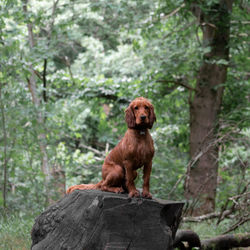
136	149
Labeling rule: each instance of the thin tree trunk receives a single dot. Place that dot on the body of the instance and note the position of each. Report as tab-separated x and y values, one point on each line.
201	181
5	149
40	119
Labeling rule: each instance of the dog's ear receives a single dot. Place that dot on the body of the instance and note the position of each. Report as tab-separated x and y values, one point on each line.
152	117
130	117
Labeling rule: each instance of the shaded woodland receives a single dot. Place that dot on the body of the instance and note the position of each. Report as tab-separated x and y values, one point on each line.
68	70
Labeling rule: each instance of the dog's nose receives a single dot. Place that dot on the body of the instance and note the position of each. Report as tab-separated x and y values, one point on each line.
143	117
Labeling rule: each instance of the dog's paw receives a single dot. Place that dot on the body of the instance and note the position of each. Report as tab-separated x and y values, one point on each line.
134	193
119	190
146	195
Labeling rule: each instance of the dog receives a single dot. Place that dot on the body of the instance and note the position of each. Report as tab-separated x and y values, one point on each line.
135	150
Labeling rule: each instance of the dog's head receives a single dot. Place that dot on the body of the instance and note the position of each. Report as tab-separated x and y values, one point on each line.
140	114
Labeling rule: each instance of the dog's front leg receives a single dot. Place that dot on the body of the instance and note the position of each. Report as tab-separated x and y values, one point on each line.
130	176
146	179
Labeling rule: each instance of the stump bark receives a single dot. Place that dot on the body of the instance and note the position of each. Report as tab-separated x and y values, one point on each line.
93	220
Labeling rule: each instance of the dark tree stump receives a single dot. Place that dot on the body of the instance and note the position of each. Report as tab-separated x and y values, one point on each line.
91	219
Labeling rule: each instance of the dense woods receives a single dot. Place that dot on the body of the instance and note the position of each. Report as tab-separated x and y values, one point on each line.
68	70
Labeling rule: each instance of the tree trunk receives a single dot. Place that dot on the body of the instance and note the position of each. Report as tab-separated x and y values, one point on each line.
5	149
59	182
201	181
50	172
92	219
40	119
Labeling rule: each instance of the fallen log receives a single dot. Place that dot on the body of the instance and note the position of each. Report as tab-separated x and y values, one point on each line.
227	241
189	236
221	242
91	219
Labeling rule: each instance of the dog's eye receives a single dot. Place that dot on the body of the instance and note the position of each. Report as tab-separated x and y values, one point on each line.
136	107
146	107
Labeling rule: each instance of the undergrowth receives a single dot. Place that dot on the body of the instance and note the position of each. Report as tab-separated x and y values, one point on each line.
209	229
15	231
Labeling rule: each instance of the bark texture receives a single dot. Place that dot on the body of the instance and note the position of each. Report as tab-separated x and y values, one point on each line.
201	181
92	219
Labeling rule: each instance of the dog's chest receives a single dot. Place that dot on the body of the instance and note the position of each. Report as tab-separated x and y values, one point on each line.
141	151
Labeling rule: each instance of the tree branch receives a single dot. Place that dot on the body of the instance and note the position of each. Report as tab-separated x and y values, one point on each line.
226	213
44	80
178	82
100	153
51	25
173	12
241	221
235	202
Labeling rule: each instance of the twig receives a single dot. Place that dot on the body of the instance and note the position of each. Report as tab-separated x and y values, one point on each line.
185	27
176	184
197	35
44	80
237	224
174	12
234	198
107	148
51	25
205	147
221	217
100	153
185	85
201	218
192	163
179	83
209	216
233	207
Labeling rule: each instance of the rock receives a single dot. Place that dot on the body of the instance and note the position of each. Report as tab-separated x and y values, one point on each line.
93	220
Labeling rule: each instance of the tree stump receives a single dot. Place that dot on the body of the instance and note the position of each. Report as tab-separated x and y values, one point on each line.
93	220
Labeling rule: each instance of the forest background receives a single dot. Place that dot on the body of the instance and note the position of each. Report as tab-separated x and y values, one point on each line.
68	70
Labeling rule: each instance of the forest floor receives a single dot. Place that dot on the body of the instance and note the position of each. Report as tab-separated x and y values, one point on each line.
208	229
15	232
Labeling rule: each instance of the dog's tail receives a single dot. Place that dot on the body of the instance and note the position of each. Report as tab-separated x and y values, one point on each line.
84	187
